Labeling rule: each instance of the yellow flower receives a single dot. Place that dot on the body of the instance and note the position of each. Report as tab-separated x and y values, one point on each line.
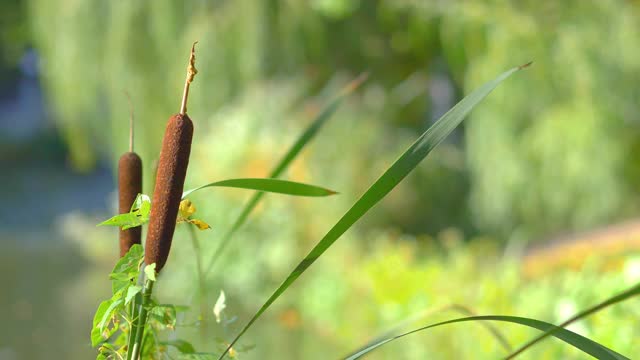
186	210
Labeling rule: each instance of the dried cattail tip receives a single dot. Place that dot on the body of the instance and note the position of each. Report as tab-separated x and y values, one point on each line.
172	170
129	186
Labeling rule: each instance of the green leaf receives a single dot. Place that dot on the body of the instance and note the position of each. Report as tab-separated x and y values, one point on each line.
309	133
138	216
392	177
586	345
458	308
183	346
132	291
106	317
96	332
163	316
269	185
150	271
127	269
125	221
142	204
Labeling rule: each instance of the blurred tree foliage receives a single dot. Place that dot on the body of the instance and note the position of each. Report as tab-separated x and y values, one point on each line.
550	151
14	36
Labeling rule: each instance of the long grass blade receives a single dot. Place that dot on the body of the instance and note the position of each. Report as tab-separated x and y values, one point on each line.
305	138
627	294
398	171
461	309
285	187
586	345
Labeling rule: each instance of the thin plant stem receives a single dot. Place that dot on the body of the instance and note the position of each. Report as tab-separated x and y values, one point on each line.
202	285
134	351
135	312
130	121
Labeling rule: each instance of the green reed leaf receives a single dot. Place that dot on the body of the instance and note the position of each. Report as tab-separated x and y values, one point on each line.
586	345
625	295
392	177
268	185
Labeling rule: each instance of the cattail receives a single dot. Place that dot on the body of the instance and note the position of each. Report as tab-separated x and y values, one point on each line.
172	170
129	186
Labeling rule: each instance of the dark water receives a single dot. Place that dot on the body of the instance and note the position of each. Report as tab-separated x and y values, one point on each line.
48	290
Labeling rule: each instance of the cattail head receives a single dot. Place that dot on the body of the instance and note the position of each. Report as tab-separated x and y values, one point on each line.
129	186
170	175
172	170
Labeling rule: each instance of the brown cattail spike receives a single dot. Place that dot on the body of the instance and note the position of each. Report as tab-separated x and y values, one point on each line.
129	186
172	170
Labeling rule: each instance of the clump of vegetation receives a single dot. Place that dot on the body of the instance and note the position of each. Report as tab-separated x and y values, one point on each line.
142	340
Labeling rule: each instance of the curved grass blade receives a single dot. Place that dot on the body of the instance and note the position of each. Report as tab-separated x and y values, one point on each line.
268	185
284	163
392	177
625	295
461	309
586	345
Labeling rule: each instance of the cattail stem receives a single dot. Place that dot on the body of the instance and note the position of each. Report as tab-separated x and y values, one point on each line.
133	353
135	316
191	73
130	122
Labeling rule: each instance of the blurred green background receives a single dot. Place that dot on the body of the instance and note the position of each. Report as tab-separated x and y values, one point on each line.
528	209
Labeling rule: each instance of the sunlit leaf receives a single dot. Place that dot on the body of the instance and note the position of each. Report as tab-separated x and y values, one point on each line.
201	225
142	203
138	216
392	177
150	271
285	187
132	291
219	306
124	221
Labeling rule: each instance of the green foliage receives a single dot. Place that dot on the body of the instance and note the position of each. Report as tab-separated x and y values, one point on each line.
582	90
562	136
137	216
376	294
118	315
